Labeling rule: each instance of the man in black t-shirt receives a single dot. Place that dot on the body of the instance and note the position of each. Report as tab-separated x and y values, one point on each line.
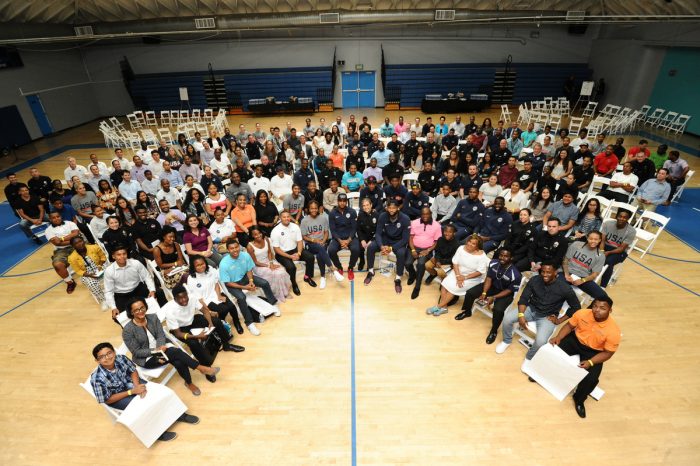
31	211
39	185
527	177
145	231
12	191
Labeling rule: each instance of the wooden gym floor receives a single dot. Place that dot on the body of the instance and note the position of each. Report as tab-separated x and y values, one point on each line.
356	374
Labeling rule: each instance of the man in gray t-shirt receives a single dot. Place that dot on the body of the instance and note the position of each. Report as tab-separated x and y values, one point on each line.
294	203
316	230
82	202
583	263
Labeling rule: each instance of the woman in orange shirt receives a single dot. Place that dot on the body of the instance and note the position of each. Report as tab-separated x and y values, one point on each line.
243	216
337	158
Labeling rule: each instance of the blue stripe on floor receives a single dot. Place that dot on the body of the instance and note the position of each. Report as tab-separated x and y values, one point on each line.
685	218
47	155
16	246
353	408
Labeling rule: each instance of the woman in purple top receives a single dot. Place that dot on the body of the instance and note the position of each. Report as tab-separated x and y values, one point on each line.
198	241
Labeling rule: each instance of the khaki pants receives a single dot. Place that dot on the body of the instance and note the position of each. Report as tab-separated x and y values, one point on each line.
433	270
641	205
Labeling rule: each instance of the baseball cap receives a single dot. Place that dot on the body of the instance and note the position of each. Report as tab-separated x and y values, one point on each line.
371	179
342	197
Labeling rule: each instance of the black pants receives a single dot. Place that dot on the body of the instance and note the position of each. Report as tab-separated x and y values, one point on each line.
419	268
180	360
197	346
291	268
571	345
225	308
400	254
615	196
355	251
499	305
122	299
523	264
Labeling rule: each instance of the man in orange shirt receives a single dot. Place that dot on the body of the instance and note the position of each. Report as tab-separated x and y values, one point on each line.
595	338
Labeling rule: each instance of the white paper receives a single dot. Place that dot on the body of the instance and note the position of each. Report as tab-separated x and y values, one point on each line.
198	331
148	417
555	371
260	305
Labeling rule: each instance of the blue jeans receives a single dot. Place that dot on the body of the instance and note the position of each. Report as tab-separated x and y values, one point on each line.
241	296
26	226
124	402
592	289
544	328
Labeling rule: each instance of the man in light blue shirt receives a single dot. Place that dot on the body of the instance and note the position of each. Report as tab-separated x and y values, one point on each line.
515	145
382	155
352	180
128	187
171	175
441	128
386	130
236	272
653	192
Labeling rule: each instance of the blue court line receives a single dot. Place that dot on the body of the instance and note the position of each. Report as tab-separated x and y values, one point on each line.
24	258
31	299
681	240
672	258
353	407
47	155
665	278
25	274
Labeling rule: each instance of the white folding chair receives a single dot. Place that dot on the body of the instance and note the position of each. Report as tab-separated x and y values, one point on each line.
679	191
597	185
113	413
151	375
555	122
354	200
505	113
208	115
149	136
196	115
184	116
153	267
643	112
575	125
139	116
678	126
589	111
615	206
649	226
134	122
667	120
151	118
165	134
165	118
655	116
409	178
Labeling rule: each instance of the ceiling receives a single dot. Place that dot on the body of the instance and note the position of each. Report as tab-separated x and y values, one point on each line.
96	11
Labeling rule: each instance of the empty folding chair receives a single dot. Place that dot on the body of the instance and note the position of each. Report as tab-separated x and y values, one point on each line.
624	112
165	118
649	226
643	112
678	126
575	125
655	116
589	111
133	121
564	106
679	190
196	115
555	122
164	133
184	116
667	120
505	113
151	118
208	116
149	136
139	115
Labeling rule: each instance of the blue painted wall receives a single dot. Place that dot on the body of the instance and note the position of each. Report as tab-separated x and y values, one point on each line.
679	93
533	81
161	91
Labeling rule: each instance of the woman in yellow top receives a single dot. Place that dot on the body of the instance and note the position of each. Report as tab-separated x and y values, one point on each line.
87	261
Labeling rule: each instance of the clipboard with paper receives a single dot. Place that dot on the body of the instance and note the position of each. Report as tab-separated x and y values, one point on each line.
555	371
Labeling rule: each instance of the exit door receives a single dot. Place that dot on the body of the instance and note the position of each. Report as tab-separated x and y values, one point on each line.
39	114
358	89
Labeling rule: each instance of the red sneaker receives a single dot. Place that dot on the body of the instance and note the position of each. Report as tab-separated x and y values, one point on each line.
351	275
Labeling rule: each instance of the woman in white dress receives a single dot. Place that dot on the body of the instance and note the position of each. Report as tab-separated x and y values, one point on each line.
266	268
469	266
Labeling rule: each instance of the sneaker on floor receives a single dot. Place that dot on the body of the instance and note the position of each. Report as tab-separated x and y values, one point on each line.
253	330
37	240
369	277
278	312
502	347
397	286
322	283
261	319
338	274
440	311
430	279
524	365
189	419
167	436
105	306
351	275
71	287
431	309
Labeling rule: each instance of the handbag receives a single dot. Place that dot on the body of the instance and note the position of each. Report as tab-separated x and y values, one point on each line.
213	345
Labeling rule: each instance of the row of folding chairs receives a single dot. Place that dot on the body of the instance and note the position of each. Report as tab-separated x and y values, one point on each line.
660	118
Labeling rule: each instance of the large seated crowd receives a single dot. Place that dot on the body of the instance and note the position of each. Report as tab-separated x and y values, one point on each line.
202	225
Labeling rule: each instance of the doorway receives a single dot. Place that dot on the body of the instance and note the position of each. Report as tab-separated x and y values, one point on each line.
358	89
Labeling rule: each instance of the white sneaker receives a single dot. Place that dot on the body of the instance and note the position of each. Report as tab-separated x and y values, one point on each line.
253	330
338	276
524	365
502	347
278	312
105	306
322	284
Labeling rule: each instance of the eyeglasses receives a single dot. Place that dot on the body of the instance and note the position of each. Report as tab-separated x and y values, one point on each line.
139	309
107	355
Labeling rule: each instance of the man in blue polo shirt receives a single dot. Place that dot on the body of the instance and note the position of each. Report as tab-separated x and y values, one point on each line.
468	214
382	155
495	225
236	272
352	180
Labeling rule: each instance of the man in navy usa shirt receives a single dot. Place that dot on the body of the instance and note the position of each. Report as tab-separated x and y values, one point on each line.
393	231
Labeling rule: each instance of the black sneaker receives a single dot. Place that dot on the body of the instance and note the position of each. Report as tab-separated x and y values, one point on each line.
415	293
37	240
189	419
167	436
369	277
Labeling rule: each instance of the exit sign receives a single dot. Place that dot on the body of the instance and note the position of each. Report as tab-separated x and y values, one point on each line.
359	67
